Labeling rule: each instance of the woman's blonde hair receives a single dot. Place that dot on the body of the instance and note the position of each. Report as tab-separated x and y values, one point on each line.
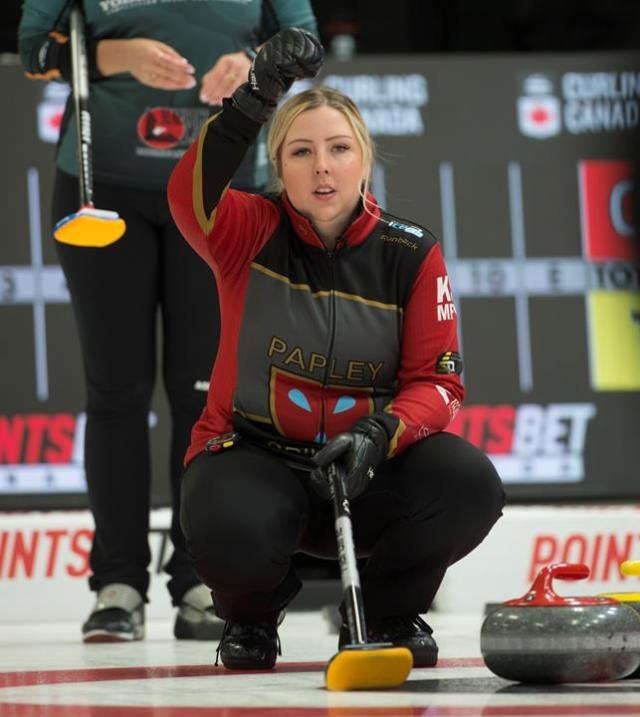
311	100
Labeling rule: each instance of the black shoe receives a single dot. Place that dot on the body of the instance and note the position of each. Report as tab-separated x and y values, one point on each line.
249	645
196	619
118	615
411	632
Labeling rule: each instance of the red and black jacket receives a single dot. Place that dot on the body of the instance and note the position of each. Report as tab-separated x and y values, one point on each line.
311	340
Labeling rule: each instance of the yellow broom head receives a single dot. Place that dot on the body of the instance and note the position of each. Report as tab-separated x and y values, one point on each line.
361	667
90	227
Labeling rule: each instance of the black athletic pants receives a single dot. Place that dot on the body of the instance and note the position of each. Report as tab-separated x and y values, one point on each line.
245	513
116	294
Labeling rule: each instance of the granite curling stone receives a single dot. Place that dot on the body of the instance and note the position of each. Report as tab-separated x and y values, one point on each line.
544	638
629	568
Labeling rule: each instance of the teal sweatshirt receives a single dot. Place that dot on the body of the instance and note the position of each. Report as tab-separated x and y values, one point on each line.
139	132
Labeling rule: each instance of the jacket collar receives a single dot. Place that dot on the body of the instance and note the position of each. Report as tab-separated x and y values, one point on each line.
355	233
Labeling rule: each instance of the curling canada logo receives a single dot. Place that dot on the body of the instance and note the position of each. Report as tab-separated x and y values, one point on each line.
538	109
587	103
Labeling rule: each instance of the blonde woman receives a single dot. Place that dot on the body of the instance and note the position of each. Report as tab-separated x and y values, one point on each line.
339	344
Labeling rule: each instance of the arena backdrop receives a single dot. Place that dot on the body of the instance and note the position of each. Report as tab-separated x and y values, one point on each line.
522	167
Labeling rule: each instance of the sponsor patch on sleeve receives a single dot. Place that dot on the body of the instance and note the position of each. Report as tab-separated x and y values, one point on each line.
449	362
408	228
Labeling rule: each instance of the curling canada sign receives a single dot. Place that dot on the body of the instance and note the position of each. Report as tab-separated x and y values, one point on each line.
589	103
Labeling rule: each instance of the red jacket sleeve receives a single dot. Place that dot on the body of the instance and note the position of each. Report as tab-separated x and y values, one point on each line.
429	388
226	227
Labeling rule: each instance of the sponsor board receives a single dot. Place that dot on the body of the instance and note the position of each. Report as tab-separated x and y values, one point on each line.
412	104
609	245
41	453
606	193
614	326
527	538
47	554
530	443
392	105
44	453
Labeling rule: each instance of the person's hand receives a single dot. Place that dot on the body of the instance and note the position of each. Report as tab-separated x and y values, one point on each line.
359	452
229	72
290	55
152	63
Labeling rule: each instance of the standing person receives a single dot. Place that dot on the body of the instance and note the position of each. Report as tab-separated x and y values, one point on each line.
155	68
339	344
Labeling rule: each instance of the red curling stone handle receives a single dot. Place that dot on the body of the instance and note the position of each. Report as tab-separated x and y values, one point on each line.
542	594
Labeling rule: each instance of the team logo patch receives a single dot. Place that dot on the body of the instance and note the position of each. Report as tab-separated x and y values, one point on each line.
161	128
449	362
296	406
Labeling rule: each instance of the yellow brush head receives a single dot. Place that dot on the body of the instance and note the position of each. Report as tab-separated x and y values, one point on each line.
90	227
622	597
630	567
368	669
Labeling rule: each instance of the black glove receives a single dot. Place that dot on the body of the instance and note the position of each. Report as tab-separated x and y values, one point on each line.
289	55
359	452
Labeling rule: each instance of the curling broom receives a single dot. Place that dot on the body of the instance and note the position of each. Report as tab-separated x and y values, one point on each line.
361	665
88	227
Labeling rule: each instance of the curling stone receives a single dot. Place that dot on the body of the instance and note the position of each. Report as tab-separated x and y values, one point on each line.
629	567
545	638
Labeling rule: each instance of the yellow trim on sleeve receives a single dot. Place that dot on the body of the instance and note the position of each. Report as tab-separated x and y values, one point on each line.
253	416
324	293
393	443
206	222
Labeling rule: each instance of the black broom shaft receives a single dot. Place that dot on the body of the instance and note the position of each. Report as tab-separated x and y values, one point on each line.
352	593
80	88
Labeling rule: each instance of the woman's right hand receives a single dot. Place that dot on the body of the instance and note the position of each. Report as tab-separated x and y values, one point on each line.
292	54
151	62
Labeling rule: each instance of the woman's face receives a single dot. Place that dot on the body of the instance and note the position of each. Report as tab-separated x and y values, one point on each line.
322	169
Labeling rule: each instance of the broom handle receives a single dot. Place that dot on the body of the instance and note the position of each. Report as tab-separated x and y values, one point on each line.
352	593
80	87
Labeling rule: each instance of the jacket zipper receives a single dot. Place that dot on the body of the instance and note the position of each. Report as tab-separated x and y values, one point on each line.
331	256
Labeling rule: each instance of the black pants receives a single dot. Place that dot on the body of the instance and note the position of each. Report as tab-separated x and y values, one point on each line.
116	294
245	513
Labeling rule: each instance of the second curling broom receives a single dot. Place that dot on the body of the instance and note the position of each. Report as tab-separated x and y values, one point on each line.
88	227
361	665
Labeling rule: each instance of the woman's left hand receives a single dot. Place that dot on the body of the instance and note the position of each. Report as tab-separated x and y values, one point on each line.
229	72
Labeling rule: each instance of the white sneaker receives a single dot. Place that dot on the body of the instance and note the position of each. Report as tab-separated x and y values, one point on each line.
118	615
196	619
